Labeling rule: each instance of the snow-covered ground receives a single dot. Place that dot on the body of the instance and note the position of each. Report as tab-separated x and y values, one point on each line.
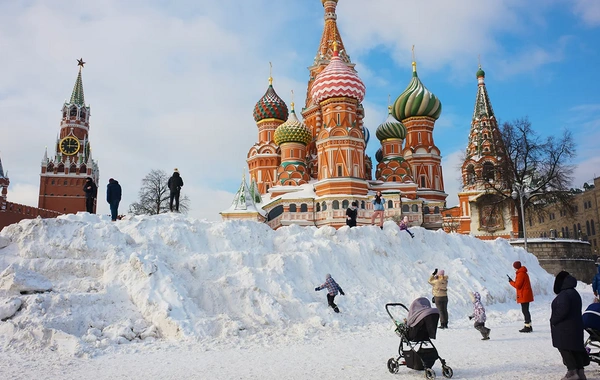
172	297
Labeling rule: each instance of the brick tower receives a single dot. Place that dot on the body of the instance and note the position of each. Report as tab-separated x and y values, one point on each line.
63	176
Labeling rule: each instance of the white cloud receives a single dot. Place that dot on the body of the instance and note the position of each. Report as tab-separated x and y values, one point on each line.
451	164
588	10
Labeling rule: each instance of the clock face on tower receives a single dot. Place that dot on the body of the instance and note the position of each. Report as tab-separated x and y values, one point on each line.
69	145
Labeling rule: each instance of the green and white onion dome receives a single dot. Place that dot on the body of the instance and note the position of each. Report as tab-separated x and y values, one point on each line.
416	100
391	128
292	131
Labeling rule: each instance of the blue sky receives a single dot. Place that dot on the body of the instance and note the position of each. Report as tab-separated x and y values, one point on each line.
174	85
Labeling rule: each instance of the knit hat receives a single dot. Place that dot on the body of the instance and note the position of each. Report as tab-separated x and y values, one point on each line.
441	272
517	264
176	170
327	276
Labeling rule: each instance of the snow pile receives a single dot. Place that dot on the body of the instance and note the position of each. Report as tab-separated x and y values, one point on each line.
170	277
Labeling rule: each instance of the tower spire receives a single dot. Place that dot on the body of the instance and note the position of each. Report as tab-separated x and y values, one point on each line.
77	94
330	35
1	169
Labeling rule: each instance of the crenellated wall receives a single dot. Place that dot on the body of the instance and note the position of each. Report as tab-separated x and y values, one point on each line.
14	212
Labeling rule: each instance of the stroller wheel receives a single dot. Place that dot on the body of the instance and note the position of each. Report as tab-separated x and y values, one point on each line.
392	365
429	373
447	371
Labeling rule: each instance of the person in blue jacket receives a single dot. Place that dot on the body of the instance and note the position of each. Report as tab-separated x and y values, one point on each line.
378	209
596	281
332	290
113	197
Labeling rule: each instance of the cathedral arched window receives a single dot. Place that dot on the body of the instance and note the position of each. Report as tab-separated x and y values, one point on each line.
72	168
324	206
61	167
303	207
390	204
339	170
83	168
82	114
587	227
345	203
415	208
73	111
436	210
423	181
335	205
318	207
419	137
426	210
405	208
488	171
470	174
362	205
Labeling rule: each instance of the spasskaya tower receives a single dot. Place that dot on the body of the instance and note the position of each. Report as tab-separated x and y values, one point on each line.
63	176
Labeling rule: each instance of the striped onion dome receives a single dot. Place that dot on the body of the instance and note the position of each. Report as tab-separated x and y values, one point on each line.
391	128
379	155
293	130
416	100
367	135
270	106
337	80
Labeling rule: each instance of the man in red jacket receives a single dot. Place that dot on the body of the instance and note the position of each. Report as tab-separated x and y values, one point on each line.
524	293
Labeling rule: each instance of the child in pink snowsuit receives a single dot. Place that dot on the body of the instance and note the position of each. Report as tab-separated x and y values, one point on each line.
479	316
404	226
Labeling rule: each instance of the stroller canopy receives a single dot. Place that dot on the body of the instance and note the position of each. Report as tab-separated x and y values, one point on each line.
419	309
591	317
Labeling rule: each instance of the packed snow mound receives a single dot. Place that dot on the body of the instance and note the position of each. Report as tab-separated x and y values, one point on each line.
170	277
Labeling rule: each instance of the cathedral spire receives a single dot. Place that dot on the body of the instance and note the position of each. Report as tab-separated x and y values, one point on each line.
1	169
77	95
330	35
483	106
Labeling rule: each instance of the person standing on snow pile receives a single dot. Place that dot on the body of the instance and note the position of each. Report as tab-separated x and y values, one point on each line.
524	293
566	326
175	184
596	282
439	281
404	226
91	192
332	290
113	197
351	214
479	315
378	209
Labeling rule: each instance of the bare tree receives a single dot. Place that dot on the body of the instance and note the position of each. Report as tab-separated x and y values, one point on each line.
539	168
154	196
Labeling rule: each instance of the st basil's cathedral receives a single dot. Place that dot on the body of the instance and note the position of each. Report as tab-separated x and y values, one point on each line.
308	172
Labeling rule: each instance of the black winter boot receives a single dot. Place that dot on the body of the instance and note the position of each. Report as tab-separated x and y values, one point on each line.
526	329
581	374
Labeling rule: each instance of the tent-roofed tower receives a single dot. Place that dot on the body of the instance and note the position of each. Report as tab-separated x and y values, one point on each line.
62	176
244	205
484	208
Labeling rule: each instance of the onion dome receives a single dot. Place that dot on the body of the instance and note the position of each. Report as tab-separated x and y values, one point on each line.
270	106
337	80
292	131
367	135
480	72
379	155
416	100
391	128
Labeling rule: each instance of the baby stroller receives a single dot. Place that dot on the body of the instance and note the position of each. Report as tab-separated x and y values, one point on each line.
591	323
416	350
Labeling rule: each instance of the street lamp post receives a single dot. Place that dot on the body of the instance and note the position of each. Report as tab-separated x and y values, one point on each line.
519	192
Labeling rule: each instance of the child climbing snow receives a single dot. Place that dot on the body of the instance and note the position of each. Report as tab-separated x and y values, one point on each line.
332	290
479	316
404	226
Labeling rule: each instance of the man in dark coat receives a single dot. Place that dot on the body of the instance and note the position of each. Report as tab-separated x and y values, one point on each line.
175	184
566	326
91	192
113	197
351	214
